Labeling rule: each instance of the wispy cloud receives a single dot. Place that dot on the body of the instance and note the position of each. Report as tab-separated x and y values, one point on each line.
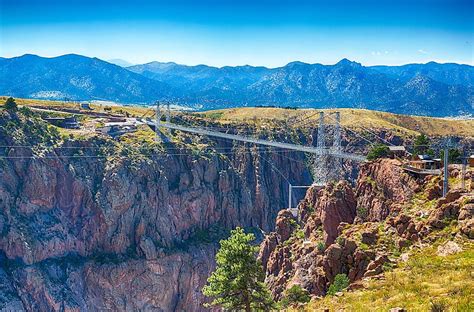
423	51
378	53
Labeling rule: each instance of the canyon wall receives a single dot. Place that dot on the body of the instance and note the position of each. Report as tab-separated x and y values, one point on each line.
128	233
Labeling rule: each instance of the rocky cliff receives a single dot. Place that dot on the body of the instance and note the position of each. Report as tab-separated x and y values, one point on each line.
91	224
360	231
124	230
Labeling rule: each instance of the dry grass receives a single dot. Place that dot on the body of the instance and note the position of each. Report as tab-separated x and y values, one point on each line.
136	111
405	125
353	118
423	281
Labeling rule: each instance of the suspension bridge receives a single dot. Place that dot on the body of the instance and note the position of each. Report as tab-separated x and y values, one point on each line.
322	152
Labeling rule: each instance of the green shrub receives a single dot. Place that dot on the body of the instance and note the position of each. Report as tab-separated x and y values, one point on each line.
362	212
299	234
378	151
454	155
295	295
421	145
438	306
321	246
214	115
388	266
340	283
340	241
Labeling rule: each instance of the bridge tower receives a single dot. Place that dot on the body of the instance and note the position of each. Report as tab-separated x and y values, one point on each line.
336	148
320	167
168	113
159	135
447	146
157	121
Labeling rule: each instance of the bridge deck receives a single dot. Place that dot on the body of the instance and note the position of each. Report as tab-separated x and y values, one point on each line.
422	171
301	148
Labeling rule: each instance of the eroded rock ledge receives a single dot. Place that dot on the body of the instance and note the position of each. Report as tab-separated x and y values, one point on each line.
360	231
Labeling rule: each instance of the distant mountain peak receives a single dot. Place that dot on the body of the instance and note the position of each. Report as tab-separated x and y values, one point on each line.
296	63
27	56
346	62
442	89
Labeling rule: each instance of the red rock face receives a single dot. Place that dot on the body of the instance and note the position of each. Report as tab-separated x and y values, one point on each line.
103	235
133	285
323	211
382	188
327	208
336	204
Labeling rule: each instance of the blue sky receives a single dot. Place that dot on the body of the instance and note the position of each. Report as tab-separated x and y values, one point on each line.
269	33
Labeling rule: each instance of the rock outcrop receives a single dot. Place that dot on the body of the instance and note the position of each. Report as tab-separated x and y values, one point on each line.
383	188
310	265
334	204
331	235
171	283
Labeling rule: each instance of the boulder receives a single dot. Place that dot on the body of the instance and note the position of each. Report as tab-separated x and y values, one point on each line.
285	224
434	189
369	237
451	196
466	227
449	248
375	267
466	212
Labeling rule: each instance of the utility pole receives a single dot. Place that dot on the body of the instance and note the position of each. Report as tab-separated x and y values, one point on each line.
446	164
464	164
289	195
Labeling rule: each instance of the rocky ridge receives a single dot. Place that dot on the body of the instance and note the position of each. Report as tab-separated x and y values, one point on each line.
359	232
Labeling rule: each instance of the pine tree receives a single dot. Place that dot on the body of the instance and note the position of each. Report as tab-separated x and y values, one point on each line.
420	146
237	283
10	104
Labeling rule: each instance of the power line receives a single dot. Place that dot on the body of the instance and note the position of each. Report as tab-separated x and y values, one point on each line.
151	154
275	169
105	147
371	132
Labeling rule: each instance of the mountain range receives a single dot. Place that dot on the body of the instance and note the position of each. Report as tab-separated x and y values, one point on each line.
431	89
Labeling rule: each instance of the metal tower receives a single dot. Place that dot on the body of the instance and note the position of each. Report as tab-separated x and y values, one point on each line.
336	149
157	121
168	113
320	168
447	145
